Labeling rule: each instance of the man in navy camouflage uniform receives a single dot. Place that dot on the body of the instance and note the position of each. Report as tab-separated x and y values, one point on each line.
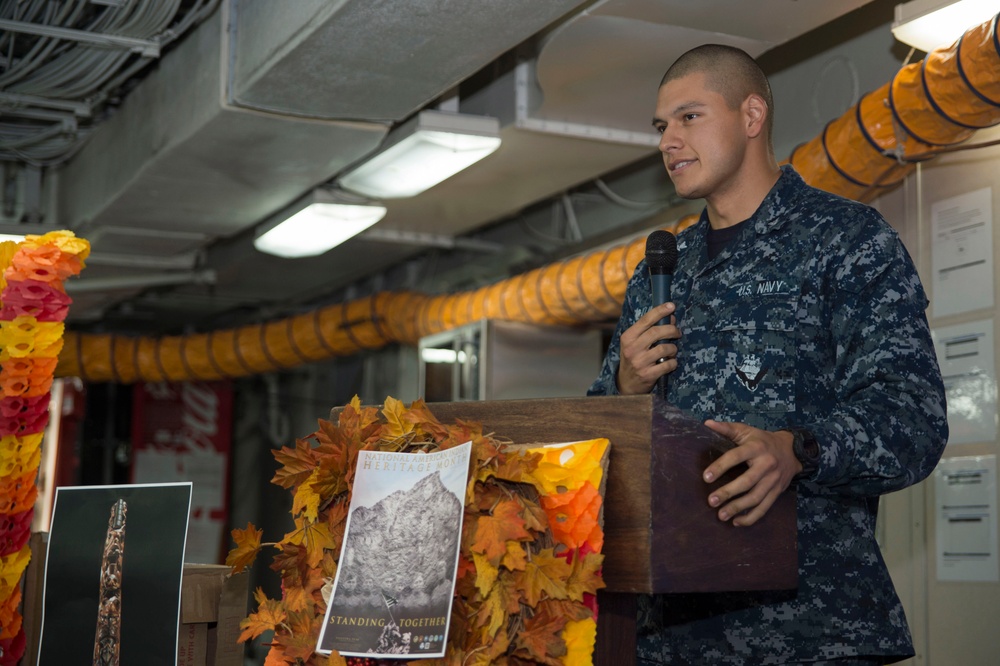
798	331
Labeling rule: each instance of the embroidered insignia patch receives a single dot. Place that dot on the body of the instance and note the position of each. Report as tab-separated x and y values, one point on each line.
750	372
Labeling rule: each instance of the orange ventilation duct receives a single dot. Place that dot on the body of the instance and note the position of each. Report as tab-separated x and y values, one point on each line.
940	101
937	102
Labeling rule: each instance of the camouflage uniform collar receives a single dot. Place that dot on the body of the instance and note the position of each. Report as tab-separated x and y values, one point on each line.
769	217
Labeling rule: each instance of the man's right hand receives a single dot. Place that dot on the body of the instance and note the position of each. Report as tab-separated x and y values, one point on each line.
643	361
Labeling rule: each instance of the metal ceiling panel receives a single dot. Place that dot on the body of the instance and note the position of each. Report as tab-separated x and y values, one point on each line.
773	21
602	67
174	157
371	59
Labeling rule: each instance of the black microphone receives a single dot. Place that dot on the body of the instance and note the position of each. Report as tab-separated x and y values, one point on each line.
661	259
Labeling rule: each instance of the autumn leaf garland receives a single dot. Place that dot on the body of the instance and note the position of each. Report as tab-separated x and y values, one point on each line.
522	595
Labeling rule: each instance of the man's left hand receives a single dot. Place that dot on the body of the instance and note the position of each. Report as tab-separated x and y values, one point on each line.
772	466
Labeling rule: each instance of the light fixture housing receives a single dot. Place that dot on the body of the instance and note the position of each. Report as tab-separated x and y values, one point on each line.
426	150
930	24
315	224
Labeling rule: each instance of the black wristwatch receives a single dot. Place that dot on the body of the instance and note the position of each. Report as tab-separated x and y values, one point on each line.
806	450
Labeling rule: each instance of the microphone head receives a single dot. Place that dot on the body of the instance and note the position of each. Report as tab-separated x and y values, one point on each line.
661	252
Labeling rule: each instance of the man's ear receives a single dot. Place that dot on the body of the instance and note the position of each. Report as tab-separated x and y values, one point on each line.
755	111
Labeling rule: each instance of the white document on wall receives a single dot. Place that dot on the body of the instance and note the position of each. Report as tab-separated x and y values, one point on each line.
965	354
967	519
962	253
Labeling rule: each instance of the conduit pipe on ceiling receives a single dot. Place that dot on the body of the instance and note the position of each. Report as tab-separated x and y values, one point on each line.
938	102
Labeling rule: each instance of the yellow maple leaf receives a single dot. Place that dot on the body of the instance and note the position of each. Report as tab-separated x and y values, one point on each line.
247	547
516	557
334	659
307	499
314	536
395	415
486	573
544	576
491	614
270	613
585	576
296	599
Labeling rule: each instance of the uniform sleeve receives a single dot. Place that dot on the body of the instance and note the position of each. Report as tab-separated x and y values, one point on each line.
889	426
633	308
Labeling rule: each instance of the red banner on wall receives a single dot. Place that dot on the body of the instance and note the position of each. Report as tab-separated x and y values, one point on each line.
182	432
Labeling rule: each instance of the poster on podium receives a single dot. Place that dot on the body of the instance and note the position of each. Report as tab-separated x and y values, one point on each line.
394	587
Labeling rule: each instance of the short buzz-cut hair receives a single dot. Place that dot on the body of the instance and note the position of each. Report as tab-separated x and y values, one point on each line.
730	71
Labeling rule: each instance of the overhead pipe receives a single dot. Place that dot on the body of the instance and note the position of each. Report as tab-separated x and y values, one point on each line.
928	105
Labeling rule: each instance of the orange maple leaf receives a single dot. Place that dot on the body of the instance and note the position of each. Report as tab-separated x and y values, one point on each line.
541	638
276	658
544	576
424	422
270	614
297	464
291	558
304	634
314	536
493	531
247	547
517	466
330	478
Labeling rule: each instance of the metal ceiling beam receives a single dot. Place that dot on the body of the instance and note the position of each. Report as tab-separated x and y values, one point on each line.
147	47
133	282
17	100
432	240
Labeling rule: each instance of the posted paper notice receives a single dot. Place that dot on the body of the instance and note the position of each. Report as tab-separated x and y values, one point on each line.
962	253
965	490
965	354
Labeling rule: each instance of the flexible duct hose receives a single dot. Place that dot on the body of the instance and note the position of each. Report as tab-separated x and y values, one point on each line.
937	102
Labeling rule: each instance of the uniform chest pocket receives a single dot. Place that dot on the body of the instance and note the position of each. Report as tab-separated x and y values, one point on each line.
756	359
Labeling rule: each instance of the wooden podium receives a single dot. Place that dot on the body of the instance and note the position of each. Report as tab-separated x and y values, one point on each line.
661	536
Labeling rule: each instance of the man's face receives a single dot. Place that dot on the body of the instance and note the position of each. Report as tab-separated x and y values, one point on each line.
702	139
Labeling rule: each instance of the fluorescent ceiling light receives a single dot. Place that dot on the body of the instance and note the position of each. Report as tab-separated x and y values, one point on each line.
313	226
423	152
930	24
433	355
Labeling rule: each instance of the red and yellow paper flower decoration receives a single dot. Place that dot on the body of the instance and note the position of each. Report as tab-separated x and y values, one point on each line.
33	305
569	479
